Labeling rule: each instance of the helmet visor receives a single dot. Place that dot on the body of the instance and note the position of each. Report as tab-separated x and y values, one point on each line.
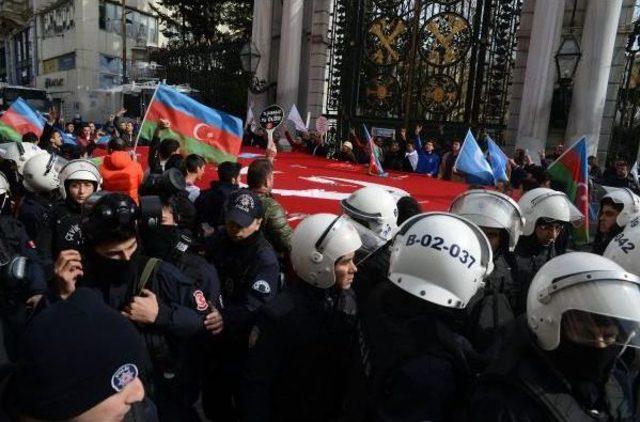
56	163
487	210
599	331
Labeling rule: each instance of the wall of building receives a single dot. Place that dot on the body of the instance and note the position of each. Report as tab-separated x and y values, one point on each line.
69	60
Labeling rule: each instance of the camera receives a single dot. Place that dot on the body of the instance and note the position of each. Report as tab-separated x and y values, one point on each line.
112	215
164	185
13	267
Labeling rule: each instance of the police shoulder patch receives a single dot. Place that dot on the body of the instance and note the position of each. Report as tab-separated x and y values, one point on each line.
261	286
124	376
201	301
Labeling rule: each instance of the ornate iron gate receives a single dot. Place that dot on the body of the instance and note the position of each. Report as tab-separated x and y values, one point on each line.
445	62
625	133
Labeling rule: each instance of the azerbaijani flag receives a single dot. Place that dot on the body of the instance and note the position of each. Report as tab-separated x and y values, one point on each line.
571	170
212	134
19	119
375	167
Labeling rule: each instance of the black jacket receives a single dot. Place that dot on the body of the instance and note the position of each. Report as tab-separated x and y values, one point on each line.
61	231
249	274
422	368
523	385
530	256
34	212
211	202
303	351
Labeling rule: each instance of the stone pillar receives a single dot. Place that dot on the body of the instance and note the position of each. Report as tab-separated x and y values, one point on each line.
261	37
318	61
289	60
592	76
535	107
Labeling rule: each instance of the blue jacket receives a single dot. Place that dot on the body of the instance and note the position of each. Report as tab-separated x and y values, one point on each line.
428	163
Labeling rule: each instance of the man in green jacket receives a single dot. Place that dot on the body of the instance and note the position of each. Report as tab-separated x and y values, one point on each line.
274	224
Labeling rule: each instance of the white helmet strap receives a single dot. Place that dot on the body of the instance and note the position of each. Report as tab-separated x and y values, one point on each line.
564	282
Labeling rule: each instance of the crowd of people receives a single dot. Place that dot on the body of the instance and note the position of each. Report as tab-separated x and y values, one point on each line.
131	294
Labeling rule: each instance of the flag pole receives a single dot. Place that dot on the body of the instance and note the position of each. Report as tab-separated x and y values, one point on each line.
153	97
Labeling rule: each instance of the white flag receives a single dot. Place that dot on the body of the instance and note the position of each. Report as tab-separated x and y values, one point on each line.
250	120
294	116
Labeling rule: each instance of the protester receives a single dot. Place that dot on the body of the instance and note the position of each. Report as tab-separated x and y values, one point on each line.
621	178
448	161
120	173
275	226
193	170
210	204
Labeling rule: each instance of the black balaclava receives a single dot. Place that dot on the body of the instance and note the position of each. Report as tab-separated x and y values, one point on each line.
582	363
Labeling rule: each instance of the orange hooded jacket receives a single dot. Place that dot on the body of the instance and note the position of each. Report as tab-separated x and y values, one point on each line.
121	174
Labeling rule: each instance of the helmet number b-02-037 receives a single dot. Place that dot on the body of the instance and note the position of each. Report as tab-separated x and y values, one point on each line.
439	244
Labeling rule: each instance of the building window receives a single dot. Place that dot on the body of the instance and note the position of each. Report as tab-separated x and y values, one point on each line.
140	26
24	65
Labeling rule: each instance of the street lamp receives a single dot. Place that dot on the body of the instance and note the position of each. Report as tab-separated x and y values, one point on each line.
567	59
250	58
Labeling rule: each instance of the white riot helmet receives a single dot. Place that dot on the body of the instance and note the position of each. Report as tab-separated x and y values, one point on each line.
624	248
374	212
546	203
490	209
19	152
41	172
441	258
317	243
80	169
584	292
630	203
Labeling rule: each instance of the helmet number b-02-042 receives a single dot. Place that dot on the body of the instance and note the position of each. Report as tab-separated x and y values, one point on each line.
439	244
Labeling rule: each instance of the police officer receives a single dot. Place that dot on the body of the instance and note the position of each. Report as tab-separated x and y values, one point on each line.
374	213
79	179
547	213
13	156
304	345
617	208
563	361
421	364
22	280
80	361
501	220
163	303
249	272
40	179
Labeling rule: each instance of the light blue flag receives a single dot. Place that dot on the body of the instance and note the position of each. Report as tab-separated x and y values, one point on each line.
498	161
471	161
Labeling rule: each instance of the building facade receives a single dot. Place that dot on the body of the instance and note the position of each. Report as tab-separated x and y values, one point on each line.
540	107
74	49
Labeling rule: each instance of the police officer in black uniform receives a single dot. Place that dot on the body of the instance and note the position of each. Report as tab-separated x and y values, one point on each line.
304	346
421	364
40	179
249	273
501	220
167	307
22	280
79	179
565	359
547	214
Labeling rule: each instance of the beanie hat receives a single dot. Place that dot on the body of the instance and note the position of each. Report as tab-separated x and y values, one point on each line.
74	354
